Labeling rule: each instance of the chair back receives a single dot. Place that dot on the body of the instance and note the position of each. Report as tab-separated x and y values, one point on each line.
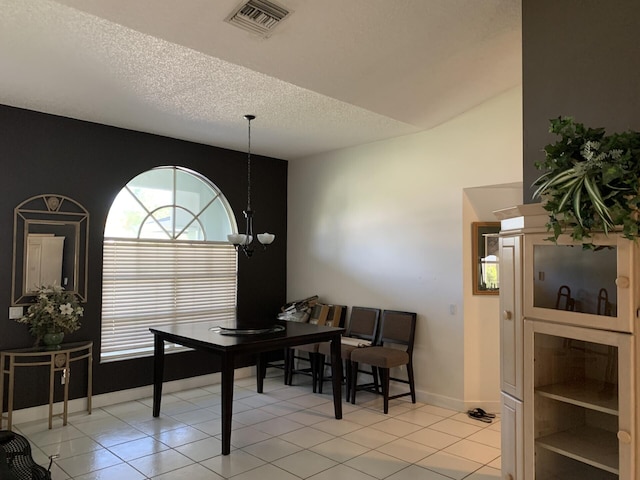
398	328
336	316
363	323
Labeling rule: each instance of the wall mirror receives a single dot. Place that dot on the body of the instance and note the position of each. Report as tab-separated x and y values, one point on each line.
50	246
484	238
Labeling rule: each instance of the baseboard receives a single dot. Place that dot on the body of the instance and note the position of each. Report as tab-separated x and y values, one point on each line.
492	407
41	412
440	401
456	404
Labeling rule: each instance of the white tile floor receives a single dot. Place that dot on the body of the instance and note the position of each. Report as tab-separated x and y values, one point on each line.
287	433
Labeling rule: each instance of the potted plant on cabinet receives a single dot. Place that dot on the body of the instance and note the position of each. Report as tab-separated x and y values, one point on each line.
54	313
592	180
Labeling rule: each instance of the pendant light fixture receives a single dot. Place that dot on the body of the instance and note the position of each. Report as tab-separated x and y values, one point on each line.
243	240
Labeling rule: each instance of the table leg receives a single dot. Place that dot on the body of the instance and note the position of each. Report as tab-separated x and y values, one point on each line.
52	372
89	378
66	373
227	400
260	370
2	372
336	366
11	391
158	373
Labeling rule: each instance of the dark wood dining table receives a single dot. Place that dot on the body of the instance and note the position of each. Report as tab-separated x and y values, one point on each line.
228	345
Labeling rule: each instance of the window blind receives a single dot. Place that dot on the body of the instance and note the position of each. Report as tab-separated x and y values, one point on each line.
154	284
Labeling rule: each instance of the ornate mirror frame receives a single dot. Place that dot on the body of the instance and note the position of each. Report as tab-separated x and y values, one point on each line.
51	215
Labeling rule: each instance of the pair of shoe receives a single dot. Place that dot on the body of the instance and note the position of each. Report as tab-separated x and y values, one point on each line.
480	414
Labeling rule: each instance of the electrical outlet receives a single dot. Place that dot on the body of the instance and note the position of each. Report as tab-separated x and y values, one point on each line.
15	312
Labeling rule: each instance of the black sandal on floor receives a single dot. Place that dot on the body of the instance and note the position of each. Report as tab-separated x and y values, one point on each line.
476	415
485	414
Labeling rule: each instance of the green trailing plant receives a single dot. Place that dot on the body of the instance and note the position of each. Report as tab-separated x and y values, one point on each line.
591	181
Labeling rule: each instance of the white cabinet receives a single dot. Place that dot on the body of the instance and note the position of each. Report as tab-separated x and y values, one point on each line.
570	353
511	339
512	422
43	261
511	356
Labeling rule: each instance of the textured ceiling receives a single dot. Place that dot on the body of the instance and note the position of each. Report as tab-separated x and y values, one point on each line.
335	73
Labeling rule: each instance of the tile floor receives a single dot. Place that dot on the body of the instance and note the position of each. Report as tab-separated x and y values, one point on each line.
287	433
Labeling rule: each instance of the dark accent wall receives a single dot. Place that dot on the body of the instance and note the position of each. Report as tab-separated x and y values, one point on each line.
90	163
580	59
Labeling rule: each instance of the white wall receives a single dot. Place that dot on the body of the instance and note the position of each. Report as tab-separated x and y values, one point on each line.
381	225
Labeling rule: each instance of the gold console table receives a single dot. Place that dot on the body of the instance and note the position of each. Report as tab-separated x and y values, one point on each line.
58	360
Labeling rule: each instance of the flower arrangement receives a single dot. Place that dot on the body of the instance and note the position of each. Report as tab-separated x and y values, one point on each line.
55	310
592	181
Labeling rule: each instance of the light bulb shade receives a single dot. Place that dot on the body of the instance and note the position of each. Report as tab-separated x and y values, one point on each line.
266	238
239	239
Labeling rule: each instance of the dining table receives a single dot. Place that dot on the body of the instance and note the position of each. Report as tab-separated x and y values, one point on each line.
228	342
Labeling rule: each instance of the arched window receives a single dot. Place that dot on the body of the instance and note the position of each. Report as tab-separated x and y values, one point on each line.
166	259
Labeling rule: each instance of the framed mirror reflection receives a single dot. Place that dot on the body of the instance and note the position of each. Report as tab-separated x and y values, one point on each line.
50	243
484	238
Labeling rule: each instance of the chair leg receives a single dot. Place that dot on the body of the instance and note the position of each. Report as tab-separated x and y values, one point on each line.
347	379
374	374
288	369
313	361
412	384
354	381
384	379
321	360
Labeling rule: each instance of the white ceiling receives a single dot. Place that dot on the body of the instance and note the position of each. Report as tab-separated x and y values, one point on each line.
335	73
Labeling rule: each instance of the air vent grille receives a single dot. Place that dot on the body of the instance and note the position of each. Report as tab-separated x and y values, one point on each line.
258	16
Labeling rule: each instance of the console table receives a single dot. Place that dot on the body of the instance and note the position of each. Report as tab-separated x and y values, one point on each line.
58	360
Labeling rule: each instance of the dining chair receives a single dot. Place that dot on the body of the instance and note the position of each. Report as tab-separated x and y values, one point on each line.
322	314
361	331
393	348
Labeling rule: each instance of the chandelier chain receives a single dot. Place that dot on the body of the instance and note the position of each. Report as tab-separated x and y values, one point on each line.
243	240
249	168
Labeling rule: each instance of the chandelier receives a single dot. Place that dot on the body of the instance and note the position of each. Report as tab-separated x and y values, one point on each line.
243	240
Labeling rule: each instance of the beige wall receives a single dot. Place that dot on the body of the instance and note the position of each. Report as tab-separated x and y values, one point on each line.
481	312
382	225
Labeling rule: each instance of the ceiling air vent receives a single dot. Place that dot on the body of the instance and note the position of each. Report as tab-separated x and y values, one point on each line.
258	16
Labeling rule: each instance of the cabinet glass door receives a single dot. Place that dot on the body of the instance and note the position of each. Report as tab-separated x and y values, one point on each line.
588	286
578	384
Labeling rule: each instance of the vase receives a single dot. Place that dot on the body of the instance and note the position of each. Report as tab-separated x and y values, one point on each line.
52	340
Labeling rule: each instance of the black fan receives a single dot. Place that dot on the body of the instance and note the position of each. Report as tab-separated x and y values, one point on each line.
16	462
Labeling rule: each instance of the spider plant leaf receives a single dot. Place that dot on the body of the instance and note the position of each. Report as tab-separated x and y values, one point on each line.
576	202
567	195
566	176
563	177
598	203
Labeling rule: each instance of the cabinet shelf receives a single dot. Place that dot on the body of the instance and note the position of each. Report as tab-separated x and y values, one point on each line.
568	469
589	445
591	394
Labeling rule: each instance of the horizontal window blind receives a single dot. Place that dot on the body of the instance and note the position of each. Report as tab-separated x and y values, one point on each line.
153	284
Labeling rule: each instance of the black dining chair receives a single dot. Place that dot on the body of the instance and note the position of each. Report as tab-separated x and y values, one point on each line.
361	331
394	348
332	315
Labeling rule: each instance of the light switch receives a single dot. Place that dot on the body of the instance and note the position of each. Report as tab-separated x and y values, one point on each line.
15	312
